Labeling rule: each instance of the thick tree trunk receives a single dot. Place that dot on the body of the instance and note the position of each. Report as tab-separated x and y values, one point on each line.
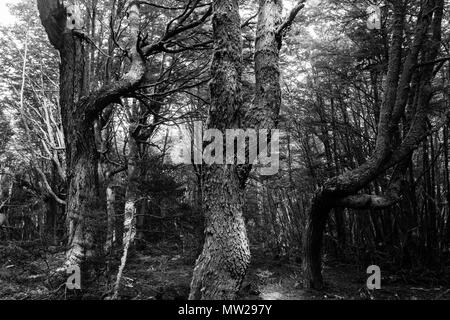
265	111
222	266
81	150
223	263
79	110
82	198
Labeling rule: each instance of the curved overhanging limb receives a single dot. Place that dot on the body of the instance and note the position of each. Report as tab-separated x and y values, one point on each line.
342	190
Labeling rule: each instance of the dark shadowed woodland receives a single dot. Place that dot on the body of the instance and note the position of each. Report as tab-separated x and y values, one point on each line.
96	95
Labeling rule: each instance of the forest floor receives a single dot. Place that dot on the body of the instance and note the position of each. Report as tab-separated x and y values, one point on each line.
158	274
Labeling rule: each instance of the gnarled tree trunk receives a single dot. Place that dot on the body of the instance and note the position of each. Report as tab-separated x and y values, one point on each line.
79	110
341	191
221	267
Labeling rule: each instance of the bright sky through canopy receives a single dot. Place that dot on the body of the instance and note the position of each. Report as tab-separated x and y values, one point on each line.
5	17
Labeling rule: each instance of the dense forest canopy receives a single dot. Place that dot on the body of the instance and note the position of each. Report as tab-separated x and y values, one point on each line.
101	103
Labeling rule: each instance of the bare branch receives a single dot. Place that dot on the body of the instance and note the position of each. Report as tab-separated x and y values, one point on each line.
159	46
98	100
290	18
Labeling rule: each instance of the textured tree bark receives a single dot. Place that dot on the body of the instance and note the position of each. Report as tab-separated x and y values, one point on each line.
222	265
79	110
265	111
82	157
81	153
